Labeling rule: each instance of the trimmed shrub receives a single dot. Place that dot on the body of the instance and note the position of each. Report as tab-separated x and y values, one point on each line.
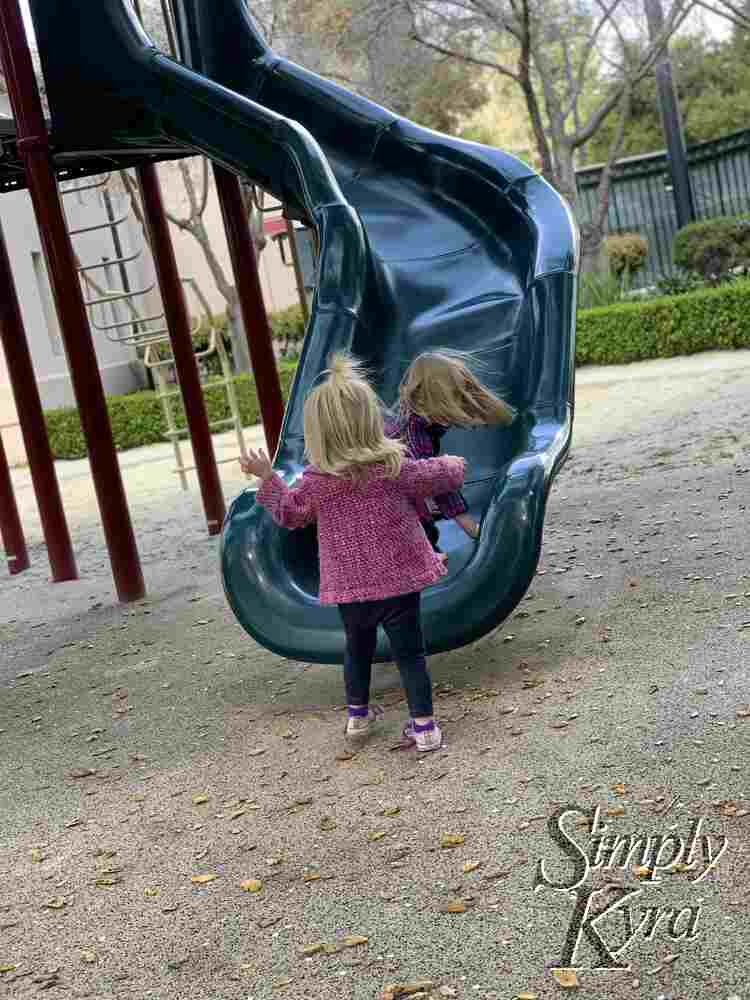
288	329
137	419
710	319
713	248
626	253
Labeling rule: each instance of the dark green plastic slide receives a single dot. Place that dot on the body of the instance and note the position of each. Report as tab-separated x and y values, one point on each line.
425	242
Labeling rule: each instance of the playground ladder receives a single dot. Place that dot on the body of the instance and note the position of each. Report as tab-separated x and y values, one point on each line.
148	334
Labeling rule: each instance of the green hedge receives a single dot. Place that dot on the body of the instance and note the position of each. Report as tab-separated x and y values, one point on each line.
710	319
137	418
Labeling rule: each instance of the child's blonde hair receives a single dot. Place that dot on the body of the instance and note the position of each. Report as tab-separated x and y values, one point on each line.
344	432
440	387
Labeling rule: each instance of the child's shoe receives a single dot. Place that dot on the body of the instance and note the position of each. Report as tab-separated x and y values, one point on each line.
361	720
425	738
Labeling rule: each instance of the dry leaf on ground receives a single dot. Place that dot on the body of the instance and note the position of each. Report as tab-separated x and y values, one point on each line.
455	906
251	885
202	879
452	839
567	978
393	991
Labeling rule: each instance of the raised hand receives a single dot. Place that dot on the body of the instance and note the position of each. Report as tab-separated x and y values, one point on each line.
257	464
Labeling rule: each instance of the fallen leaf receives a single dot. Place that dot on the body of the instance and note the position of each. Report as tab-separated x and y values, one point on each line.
281	983
36	855
455	906
376	835
105	881
7	968
299	803
391	811
55	903
567	978
471	866
619	788
395	990
345	755
327	823
353	940
526	995
251	885
616	811
452	839
642	871
89	957
202	879
313	949
151	892
198	800
311	877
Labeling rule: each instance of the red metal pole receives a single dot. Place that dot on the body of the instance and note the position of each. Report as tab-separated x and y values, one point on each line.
33	427
33	147
247	279
10	523
178	321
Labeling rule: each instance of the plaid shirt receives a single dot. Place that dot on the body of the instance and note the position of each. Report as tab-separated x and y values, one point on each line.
422	440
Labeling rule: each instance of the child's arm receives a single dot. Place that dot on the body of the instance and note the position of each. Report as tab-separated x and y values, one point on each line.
430	477
291	507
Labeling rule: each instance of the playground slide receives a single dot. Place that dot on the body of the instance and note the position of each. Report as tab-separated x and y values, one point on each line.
425	242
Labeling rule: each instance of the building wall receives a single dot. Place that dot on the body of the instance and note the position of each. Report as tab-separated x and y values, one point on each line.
120	369
277	279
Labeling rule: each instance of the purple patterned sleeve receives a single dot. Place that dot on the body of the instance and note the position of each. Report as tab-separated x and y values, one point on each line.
421	444
451	505
419	441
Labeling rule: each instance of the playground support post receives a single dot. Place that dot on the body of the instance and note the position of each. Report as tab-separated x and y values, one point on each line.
178	322
33	148
11	531
250	295
33	427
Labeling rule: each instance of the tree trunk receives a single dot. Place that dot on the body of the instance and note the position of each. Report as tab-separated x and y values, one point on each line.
240	350
592	233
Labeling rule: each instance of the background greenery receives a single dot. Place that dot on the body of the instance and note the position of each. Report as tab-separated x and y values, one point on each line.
685	322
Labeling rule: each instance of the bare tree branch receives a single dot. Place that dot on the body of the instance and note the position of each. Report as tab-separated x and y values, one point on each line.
464	56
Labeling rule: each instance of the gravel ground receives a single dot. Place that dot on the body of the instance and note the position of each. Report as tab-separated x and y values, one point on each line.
154	759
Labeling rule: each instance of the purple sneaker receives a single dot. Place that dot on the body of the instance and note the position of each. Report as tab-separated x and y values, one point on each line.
425	737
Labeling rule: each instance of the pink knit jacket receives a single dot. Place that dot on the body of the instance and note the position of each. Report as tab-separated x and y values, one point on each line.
370	541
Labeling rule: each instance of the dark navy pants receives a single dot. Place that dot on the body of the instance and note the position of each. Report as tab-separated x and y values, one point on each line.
400	618
433	534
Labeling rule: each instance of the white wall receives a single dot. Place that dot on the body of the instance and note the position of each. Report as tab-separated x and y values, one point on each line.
117	361
277	279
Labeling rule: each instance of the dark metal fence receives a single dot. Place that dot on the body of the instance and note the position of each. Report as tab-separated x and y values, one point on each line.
642	201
